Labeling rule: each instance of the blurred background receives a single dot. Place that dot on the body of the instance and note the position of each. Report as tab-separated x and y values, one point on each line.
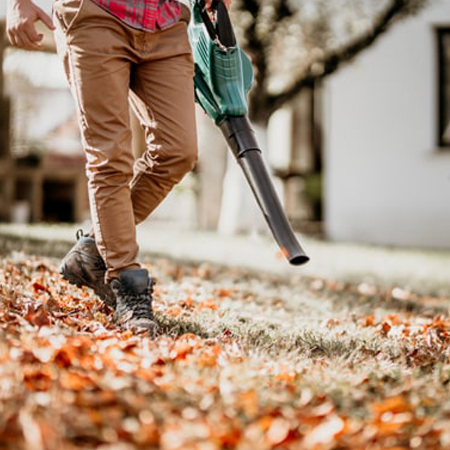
351	105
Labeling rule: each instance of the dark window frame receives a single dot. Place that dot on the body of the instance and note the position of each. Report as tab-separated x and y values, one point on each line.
443	74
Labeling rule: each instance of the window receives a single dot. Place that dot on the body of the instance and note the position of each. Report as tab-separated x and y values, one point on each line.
443	37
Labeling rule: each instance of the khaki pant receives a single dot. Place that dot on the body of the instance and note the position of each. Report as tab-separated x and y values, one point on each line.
109	64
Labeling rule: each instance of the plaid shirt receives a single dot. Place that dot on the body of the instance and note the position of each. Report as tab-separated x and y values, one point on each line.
144	14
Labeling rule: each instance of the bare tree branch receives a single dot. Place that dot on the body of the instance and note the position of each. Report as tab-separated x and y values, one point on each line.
263	104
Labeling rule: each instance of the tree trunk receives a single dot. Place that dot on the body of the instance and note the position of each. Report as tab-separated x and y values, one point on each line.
210	172
6	181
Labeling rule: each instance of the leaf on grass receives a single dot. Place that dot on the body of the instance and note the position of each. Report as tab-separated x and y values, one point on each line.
278	431
182	348
397	404
323	410
208	357
228	438
207	304
248	402
369	321
223	292
37	378
31	431
43	354
65	357
40	319
174	311
187	303
285	374
75	381
324	433
385	328
332	322
396	448
147	434
40	287
392	423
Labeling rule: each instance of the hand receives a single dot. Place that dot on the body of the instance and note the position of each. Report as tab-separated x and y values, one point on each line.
227	3
21	16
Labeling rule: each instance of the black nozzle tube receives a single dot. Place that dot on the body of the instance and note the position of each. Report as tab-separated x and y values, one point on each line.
241	139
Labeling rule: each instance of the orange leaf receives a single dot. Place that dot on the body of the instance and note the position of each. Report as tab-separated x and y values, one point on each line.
65	356
385	328
37	379
228	438
265	422
51	305
40	319
324	433
39	287
249	402
126	334
394	319
388	428
175	311
95	416
75	381
323	410
286	374
222	292
148	434
278	431
188	336
396	448
187	303
207	359
207	304
394	405
145	374
181	349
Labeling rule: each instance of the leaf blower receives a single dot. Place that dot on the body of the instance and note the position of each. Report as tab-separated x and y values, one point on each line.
222	80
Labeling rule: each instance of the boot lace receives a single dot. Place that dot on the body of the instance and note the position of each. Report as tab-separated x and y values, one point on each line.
140	305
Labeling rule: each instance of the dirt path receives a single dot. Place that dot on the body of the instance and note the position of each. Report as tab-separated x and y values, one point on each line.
245	361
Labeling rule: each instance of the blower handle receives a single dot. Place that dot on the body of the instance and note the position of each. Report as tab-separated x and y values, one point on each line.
210	28
222	32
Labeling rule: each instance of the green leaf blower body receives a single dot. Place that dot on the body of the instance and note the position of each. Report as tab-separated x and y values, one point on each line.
223	77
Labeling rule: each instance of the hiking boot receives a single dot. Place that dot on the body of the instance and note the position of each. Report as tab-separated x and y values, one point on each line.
83	266
133	291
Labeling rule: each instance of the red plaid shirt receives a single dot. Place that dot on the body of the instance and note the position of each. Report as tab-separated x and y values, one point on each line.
144	14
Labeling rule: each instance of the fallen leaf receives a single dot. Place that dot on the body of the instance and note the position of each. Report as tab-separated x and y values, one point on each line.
278	431
324	433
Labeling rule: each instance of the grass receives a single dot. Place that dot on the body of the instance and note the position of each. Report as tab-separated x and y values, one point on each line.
322	334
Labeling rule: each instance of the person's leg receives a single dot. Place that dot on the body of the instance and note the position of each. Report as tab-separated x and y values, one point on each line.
98	52
95	50
163	98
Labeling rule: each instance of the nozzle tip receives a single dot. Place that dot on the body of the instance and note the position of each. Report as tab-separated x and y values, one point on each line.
298	260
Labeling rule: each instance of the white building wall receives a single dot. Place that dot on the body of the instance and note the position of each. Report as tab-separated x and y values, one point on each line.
386	180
